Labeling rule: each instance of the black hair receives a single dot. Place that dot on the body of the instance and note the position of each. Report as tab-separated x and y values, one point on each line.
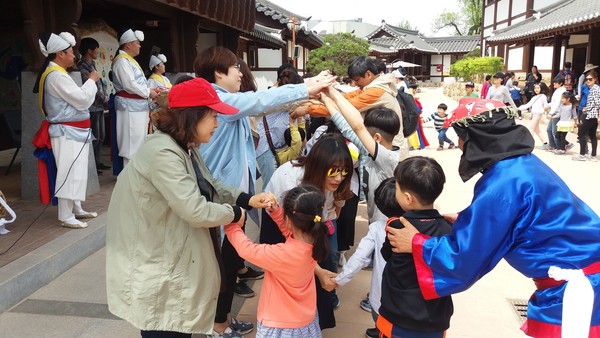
359	67
488	77
568	65
385	198
303	206
421	176
383	121
543	88
443	106
287	136
559	79
289	76
571	97
183	78
381	68
515	83
87	44
284	67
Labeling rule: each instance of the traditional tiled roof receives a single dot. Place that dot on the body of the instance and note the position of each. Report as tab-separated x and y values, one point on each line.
388	39
404	39
552	20
454	44
275	12
269	36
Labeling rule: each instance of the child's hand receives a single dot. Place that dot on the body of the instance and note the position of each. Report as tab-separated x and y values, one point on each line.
262	200
274	206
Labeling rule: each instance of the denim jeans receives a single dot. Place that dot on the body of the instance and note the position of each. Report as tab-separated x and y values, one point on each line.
443	138
266	165
552	142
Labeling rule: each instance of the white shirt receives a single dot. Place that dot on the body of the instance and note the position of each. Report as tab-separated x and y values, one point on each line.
369	246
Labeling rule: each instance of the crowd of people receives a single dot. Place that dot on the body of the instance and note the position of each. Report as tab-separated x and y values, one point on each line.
175	243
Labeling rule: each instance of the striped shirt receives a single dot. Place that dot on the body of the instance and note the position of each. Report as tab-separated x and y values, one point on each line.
438	121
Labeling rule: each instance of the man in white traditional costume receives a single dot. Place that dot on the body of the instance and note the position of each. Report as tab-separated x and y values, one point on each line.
132	93
157	66
65	106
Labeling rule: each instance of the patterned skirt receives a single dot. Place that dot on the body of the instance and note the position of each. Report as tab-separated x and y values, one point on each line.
312	330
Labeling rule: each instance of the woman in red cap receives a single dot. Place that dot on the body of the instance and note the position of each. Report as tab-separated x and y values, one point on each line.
163	265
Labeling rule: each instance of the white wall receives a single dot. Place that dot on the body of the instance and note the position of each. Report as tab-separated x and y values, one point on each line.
543	57
515	59
264	79
579	39
269	58
519	7
502	13
489	16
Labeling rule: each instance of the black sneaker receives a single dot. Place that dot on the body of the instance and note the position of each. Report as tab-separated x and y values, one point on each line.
251	274
243	290
372	333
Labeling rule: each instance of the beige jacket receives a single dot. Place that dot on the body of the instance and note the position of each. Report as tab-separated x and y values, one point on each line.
161	269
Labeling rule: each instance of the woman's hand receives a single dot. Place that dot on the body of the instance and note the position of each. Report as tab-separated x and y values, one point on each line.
401	239
316	84
262	200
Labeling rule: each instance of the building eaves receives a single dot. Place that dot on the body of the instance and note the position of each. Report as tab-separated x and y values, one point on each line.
267	36
560	16
276	12
405	39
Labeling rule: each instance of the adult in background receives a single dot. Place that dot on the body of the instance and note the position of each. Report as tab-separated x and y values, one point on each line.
588	120
89	48
231	156
157	78
163	266
569	75
400	76
132	93
553	240
499	92
485	87
531	79
581	83
66	128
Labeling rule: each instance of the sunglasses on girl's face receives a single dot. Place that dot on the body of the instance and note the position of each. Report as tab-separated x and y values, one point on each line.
589	78
333	172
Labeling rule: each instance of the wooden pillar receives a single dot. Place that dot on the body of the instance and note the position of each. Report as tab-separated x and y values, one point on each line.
558	39
593	51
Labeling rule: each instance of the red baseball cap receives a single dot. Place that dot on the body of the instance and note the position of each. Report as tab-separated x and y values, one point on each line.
197	93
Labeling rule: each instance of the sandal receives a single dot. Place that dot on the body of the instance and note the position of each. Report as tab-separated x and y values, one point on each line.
86	214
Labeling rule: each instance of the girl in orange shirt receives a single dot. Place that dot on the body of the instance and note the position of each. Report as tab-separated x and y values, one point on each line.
288	301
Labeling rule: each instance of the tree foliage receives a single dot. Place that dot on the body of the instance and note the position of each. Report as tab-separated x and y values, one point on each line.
475	68
405	24
336	53
465	21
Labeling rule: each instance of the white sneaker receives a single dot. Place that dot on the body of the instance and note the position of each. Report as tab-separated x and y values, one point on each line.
579	157
591	158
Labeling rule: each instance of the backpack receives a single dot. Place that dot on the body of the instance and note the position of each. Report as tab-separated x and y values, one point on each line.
410	113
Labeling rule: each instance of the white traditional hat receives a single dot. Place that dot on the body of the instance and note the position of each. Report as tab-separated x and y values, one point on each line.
155	60
397	74
589	67
129	36
55	43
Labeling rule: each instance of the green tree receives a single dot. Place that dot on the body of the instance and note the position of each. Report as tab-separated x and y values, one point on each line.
336	53
465	21
475	68
405	24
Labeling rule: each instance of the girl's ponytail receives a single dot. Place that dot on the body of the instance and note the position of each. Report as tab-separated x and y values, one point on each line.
320	244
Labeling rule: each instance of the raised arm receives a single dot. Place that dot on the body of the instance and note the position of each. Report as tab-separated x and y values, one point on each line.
354	119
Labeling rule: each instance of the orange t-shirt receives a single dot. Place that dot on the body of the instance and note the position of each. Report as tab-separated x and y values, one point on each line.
288	298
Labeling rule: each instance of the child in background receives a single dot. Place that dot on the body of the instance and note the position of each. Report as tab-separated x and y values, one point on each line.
538	106
295	139
288	301
404	312
369	249
417	140
470	88
515	95
439	118
567	119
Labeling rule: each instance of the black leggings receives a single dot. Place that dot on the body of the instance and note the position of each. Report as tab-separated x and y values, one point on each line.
587	129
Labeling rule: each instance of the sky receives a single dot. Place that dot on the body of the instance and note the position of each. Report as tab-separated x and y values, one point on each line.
419	13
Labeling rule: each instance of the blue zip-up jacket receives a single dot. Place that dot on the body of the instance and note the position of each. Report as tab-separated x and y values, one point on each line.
232	141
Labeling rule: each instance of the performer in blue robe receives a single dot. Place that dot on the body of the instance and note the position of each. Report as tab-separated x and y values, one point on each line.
521	211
